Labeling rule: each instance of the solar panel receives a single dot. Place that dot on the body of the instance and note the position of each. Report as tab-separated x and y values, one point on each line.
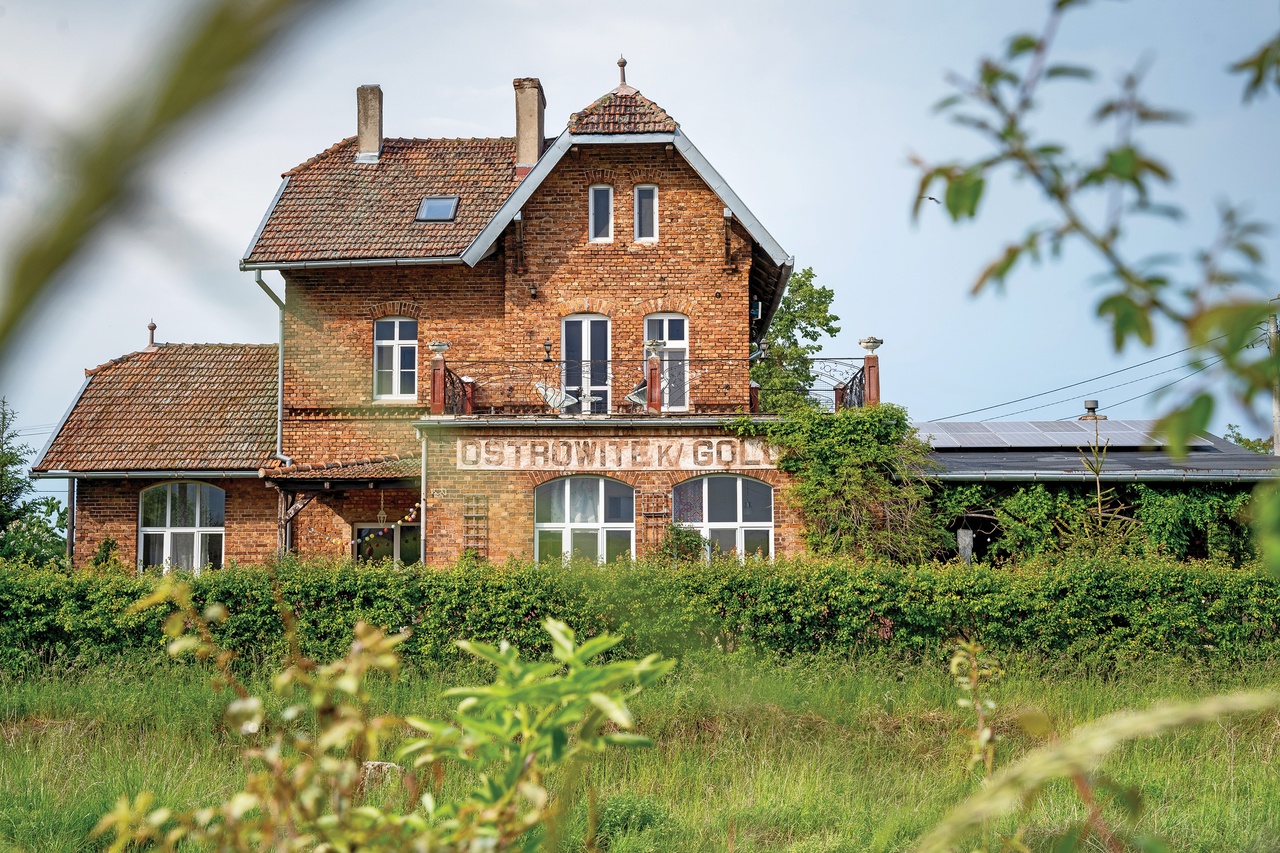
967	428
937	440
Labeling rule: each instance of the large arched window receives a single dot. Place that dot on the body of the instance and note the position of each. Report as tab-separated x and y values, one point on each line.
732	513
395	359
591	518
180	526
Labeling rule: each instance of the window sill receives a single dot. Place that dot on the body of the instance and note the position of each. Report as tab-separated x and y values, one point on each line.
395	401
600	242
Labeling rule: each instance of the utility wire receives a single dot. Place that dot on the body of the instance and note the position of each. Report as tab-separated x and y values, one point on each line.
1108	388
1162	387
1074	384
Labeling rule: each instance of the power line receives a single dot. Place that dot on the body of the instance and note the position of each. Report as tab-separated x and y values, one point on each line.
1074	384
1162	387
1098	391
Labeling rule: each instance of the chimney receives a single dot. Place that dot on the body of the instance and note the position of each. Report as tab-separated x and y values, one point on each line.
368	123
531	104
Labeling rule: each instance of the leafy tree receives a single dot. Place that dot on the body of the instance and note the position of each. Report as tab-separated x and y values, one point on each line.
29	529
785	374
1257	445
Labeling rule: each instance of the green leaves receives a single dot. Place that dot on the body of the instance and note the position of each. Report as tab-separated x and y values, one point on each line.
964	191
1261	67
1128	319
1183	424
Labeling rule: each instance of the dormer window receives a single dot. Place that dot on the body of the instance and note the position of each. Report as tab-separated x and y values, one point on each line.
437	208
601	214
646	213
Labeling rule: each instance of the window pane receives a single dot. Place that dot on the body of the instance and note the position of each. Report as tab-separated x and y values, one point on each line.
550	546
548	503
653	330
182	510
155	502
213	506
153	548
584	499
573	353
437	209
677	379
210	554
757	501
601	213
724	541
182	550
384	369
756	542
384	330
409	330
586	545
379	546
675	329
408	369
599	352
617	545
619	503
686	498
410	543
722	499
644	213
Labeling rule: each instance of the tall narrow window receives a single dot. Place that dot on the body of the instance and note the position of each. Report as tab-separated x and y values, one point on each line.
585	341
395	359
601	214
667	336
181	526
734	514
646	213
585	518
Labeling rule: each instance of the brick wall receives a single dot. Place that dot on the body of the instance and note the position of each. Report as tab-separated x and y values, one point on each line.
110	508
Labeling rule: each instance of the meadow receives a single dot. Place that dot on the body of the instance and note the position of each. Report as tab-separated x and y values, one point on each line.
753	752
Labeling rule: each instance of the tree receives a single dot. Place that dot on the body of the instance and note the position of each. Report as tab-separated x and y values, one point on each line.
29	529
785	373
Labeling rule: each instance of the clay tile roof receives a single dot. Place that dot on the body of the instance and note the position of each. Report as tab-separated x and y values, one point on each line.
624	110
389	467
333	208
174	407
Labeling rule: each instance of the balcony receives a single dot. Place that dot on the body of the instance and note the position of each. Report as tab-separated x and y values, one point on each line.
655	386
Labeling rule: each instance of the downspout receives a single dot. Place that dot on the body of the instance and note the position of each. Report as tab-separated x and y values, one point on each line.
279	454
422	502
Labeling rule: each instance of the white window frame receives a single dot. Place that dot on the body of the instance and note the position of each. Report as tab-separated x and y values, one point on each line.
585	363
397	346
567	527
664	351
168	530
636	214
705	527
396	525
593	213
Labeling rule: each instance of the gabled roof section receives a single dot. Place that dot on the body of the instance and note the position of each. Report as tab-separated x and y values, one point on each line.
172	407
624	110
331	208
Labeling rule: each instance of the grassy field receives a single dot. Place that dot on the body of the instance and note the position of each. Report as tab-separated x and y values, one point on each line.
751	755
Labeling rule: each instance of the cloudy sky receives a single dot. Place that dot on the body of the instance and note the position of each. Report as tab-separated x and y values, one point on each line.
810	110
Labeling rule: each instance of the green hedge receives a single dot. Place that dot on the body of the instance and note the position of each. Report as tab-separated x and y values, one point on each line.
1053	608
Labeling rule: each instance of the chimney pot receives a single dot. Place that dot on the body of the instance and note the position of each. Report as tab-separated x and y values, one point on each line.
368	123
531	105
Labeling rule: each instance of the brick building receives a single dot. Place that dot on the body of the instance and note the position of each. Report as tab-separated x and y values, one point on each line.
518	346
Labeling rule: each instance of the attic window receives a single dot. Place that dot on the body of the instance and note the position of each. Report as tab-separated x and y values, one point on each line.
437	208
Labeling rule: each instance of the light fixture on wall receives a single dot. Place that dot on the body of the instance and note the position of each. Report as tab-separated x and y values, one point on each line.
546	345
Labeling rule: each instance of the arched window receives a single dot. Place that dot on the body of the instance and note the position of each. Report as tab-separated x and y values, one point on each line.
667	336
180	526
585	345
592	518
395	359
732	513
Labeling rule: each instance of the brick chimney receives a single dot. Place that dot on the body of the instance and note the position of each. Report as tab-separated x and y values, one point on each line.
368	123
531	104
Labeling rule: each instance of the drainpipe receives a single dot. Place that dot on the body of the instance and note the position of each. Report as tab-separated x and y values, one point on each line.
279	454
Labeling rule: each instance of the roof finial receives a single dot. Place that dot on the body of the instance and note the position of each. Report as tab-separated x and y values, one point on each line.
622	69
151	333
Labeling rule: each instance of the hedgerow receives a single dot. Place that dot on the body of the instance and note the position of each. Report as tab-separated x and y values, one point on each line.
1074	608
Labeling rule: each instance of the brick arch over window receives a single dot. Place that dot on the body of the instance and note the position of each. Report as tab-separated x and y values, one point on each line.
646	175
587	305
665	305
599	176
394	308
634	479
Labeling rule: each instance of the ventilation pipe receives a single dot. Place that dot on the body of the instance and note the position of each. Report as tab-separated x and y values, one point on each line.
279	454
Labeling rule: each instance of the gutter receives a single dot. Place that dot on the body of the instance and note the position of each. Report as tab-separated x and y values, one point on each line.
354	262
279	454
62	474
1224	476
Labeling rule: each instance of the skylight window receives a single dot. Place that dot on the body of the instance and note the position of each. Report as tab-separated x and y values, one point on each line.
438	208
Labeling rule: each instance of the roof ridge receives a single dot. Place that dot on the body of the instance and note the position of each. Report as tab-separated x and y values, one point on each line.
129	356
449	139
308	163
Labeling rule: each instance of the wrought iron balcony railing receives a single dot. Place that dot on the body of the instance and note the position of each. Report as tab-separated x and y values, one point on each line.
668	384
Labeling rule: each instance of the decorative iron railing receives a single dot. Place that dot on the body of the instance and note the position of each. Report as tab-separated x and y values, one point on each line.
665	384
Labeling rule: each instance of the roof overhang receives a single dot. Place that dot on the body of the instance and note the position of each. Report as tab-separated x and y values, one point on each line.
195	474
1164	476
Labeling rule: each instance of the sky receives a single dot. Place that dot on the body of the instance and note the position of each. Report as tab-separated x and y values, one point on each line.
810	111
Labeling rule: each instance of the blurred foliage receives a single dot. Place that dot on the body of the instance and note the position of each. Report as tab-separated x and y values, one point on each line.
785	373
30	529
314	755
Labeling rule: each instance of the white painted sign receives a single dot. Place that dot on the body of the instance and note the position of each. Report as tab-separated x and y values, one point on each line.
614	454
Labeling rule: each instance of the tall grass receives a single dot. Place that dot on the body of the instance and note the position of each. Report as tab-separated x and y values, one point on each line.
752	753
